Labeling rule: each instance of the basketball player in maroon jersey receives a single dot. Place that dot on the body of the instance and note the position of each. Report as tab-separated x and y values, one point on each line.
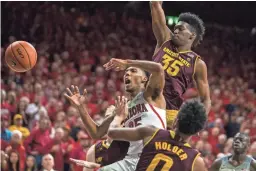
182	66
169	150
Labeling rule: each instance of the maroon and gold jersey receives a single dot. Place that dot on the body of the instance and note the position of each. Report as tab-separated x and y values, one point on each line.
163	153
179	71
108	154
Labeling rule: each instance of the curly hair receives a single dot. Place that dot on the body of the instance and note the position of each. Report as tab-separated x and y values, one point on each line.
191	117
196	25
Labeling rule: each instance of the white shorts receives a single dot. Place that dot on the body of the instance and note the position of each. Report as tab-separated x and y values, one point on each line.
127	164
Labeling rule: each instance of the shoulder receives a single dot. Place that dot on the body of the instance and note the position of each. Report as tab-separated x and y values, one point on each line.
200	67
12	127
199	164
253	163
199	62
217	163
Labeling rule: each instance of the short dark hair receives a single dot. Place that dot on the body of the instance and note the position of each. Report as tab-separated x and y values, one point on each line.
191	117
196	23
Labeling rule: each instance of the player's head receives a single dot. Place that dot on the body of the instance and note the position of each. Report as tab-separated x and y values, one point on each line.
189	29
191	117
134	79
241	143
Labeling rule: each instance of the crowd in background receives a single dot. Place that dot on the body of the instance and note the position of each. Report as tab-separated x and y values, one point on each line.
72	46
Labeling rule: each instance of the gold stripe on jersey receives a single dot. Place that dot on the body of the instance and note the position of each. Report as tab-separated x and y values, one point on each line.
194	70
104	144
192	169
150	139
185	51
172	133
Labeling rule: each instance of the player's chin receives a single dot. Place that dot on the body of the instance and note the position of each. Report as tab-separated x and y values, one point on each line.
128	88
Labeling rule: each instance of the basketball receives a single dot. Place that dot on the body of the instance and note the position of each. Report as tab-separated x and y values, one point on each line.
20	56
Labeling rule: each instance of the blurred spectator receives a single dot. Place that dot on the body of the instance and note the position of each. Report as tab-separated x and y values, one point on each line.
68	145
15	145
13	162
80	149
38	139
47	162
30	164
18	120
6	134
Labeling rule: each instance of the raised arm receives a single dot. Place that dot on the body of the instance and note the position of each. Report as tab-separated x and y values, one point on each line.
202	84
131	134
94	130
161	31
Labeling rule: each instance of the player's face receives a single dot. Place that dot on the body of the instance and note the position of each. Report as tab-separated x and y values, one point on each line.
240	143
182	34
133	78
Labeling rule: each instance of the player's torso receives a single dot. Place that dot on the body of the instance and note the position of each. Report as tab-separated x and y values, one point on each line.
142	113
226	166
179	70
162	153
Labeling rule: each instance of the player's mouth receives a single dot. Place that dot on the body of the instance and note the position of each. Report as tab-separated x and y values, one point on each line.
236	145
127	81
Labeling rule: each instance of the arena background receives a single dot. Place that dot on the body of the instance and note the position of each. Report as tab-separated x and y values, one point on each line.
74	40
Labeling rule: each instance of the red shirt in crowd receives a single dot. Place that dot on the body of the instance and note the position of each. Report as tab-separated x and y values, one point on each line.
37	140
78	153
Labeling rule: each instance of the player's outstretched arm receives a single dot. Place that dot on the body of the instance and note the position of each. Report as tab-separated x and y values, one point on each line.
215	165
94	130
202	84
253	165
160	29
199	164
131	134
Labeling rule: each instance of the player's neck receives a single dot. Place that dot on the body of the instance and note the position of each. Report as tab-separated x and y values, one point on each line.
239	157
135	93
182	137
184	48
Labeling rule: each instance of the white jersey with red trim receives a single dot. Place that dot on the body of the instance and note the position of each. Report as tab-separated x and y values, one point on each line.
140	112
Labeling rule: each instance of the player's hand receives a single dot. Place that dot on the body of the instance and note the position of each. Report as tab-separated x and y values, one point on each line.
110	110
74	96
121	106
89	165
116	64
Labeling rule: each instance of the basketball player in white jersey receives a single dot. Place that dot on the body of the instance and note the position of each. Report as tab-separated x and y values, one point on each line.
238	161
146	105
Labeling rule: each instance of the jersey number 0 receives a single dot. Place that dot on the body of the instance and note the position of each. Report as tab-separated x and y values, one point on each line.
168	162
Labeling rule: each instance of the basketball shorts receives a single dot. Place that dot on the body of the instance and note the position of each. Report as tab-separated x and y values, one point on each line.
170	117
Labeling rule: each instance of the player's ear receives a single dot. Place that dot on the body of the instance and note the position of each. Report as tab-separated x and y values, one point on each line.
193	35
145	79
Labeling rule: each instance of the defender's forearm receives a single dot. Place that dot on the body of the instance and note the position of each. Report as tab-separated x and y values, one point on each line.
151	67
94	130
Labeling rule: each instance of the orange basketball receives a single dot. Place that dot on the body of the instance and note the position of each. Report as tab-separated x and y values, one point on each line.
20	56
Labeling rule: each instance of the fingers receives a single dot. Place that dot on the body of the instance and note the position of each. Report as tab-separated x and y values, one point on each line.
67	96
69	92
77	90
85	92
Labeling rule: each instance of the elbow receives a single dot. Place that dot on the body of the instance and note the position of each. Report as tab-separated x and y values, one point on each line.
111	133
159	68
